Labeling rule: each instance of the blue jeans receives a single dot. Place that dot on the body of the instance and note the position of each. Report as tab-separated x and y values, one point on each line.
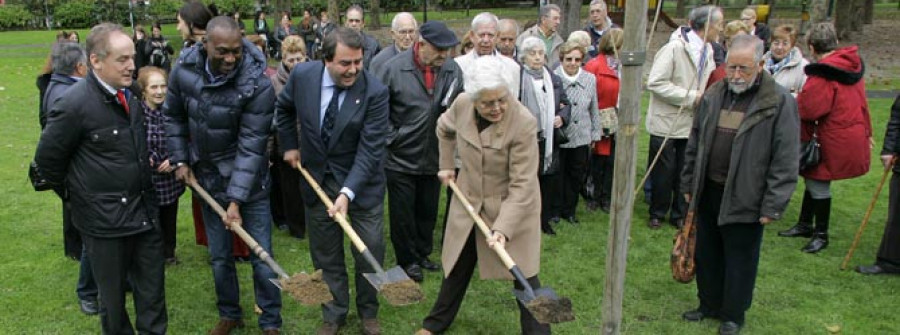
257	221
87	287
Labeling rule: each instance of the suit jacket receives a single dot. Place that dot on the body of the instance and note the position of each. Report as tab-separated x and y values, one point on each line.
499	177
356	151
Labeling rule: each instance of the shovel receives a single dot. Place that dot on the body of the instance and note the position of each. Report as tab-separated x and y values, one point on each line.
543	303
396	286
298	282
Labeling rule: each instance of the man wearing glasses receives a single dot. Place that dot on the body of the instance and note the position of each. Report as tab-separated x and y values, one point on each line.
403	31
485	28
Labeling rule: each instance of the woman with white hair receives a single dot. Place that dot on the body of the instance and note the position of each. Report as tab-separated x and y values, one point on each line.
493	135
542	93
584	127
583	39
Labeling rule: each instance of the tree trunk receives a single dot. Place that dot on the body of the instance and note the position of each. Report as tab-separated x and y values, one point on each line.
374	22
679	8
848	18
818	11
571	16
333	14
869	9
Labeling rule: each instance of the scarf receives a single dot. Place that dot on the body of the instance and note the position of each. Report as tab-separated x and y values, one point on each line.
537	96
773	67
427	71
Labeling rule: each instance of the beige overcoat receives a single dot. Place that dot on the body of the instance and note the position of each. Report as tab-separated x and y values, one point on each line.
498	175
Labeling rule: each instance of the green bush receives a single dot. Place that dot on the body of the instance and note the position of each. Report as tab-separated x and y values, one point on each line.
74	14
14	16
163	9
246	7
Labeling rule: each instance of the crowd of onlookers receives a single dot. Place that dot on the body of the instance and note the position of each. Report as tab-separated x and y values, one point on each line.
736	109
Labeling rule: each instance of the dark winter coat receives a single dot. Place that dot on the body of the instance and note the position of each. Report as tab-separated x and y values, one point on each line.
835	96
370	49
762	173
412	144
594	48
221	128
892	134
98	152
59	84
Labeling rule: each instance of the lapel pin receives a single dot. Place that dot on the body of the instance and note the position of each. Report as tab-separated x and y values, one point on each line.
357	101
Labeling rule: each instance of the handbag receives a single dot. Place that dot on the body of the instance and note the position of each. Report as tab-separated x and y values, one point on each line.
682	259
809	151
609	120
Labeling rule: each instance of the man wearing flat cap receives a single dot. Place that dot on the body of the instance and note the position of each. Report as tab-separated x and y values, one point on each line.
423	81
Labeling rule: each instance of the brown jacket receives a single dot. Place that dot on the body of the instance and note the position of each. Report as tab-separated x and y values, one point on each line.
498	175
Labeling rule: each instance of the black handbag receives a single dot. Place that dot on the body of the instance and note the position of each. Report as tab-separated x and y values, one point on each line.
809	151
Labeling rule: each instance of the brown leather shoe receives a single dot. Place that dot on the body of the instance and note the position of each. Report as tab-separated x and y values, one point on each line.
328	328
225	326
271	331
371	327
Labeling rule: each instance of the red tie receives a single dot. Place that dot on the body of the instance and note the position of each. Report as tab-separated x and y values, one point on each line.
120	94
429	79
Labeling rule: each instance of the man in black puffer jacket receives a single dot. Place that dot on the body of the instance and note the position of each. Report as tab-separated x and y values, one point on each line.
220	106
94	145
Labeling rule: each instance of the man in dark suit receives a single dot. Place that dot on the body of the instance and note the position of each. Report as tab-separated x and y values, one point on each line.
341	113
94	149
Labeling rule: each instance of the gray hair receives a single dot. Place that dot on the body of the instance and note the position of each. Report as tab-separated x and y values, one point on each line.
598	2
97	42
395	23
545	11
486	74
581	37
704	15
485	18
822	37
357	8
745	42
66	56
529	44
508	23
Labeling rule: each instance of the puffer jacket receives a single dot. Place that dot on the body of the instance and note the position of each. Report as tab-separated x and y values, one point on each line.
835	96
762	173
99	153
791	76
675	86
412	144
221	128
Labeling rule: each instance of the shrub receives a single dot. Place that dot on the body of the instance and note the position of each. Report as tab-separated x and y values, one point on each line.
75	14
14	16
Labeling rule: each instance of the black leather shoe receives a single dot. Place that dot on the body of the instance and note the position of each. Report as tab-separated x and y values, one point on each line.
547	229
816	244
414	271
798	230
89	307
427	264
876	269
729	328
654	224
695	315
554	219
572	219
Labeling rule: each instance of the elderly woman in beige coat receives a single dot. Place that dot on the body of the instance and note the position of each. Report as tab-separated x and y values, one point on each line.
494	136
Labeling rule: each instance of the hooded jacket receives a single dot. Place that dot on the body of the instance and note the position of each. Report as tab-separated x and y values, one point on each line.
834	96
221	128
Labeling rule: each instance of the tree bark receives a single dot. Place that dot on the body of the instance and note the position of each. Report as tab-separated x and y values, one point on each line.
571	16
818	11
869	9
848	18
333	13
679	8
374	22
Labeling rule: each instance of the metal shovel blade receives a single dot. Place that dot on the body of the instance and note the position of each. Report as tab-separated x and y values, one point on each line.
396	287
546	306
277	283
392	275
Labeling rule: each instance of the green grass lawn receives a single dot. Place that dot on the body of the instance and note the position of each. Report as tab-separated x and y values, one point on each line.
796	293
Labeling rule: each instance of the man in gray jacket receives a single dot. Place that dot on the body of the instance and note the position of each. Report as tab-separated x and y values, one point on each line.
423	81
740	170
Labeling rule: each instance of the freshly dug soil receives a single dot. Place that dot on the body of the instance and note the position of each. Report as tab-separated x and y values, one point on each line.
402	293
309	290
546	310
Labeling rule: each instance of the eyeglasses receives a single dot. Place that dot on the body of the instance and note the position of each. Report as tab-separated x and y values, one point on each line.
572	59
410	33
781	43
498	103
741	68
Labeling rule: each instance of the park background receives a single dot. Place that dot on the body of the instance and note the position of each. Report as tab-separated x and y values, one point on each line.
796	293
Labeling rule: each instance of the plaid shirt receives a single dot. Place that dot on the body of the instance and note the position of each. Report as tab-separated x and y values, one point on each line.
167	188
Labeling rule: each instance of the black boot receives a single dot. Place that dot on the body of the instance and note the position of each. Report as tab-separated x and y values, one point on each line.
546	228
820	234
803	228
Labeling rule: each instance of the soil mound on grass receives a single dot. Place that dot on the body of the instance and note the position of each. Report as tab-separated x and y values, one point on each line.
547	310
308	289
401	293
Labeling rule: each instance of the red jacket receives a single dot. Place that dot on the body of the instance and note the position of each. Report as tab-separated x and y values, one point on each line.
607	82
835	96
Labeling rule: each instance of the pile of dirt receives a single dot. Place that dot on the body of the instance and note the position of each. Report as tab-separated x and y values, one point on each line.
401	293
548	310
307	289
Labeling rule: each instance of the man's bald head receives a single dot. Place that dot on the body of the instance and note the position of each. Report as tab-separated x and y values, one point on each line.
223	24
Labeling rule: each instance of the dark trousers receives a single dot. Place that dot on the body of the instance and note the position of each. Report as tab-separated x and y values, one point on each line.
574	162
551	188
168	217
666	178
602	175
413	206
292	209
138	260
326	245
453	290
727	259
889	251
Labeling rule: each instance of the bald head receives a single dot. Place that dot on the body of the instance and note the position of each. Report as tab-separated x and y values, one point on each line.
507	32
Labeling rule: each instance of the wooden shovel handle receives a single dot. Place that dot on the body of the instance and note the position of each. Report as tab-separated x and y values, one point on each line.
504	256
862	226
340	218
237	229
